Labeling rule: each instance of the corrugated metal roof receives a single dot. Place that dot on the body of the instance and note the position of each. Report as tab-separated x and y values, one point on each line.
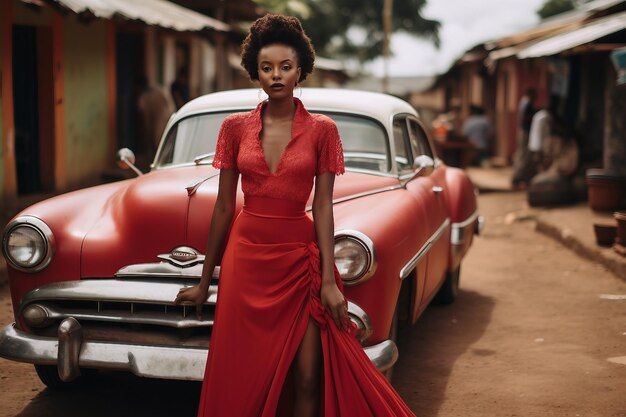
152	12
568	40
556	24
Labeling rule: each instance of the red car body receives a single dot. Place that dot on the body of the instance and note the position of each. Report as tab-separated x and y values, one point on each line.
408	218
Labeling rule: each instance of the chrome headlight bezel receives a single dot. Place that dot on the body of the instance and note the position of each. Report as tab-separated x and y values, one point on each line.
365	246
47	239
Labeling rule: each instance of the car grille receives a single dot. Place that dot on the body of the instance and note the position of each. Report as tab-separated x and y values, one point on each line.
144	317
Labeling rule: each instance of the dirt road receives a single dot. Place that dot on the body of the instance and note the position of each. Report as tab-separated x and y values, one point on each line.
536	331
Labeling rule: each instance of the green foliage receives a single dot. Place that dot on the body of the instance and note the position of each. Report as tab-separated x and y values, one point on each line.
354	28
554	7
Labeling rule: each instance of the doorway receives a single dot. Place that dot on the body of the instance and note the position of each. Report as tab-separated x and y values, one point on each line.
33	104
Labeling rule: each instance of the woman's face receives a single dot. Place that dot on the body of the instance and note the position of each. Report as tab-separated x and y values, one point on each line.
278	70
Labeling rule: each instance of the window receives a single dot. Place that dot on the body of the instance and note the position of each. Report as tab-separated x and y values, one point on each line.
419	140
400	139
365	144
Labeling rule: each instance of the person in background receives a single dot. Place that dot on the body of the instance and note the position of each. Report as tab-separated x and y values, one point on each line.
523	166
540	128
154	110
180	87
478	130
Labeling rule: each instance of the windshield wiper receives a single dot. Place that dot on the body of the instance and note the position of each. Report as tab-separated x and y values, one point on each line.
202	157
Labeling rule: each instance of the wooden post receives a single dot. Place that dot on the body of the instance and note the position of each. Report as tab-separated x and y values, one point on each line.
8	122
60	172
614	153
387	29
111	63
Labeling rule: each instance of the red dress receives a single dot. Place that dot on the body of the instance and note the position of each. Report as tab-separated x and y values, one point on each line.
270	283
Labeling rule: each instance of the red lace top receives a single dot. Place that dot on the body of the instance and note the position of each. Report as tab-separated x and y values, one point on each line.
314	148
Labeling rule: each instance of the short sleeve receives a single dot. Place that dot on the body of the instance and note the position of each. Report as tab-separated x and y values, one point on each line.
329	150
227	146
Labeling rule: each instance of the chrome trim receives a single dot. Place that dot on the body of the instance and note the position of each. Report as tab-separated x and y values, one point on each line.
184	363
406	269
362	321
458	229
43	229
365	194
367	243
183	256
163	270
480	226
137	292
131	317
113	290
70	342
194	185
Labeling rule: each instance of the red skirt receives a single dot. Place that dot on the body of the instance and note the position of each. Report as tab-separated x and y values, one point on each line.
268	289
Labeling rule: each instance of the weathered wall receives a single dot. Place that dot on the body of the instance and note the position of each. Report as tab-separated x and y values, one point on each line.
86	114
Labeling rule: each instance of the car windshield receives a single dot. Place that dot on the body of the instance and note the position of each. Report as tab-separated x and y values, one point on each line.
192	139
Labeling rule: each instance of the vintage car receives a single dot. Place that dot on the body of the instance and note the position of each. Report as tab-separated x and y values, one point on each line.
94	273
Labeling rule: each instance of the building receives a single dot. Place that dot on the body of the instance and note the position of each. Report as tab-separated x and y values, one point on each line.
70	73
566	59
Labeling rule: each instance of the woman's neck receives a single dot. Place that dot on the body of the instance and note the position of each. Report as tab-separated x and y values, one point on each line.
280	109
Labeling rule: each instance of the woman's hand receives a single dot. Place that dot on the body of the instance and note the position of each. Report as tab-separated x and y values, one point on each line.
196	295
335	304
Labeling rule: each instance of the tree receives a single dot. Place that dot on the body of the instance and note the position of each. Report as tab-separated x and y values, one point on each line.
354	28
554	7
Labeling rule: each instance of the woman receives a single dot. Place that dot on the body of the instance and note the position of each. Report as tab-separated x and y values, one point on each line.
282	343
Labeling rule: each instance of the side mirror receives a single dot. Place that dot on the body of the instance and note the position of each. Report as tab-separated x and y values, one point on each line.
423	165
126	160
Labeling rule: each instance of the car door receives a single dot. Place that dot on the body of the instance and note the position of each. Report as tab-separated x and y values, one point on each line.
418	190
436	206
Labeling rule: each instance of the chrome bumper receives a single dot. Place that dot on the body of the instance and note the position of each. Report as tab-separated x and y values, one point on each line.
69	353
461	236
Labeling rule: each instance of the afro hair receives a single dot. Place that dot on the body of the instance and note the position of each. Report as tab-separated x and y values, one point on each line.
271	29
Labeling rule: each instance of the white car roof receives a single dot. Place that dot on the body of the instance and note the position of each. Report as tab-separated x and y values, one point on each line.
376	105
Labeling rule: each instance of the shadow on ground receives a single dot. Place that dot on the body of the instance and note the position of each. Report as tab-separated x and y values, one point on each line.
430	348
119	395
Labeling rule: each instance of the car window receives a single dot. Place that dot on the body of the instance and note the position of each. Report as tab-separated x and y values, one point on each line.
364	141
419	140
191	137
400	138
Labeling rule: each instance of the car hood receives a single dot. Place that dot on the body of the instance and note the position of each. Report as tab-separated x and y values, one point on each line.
168	208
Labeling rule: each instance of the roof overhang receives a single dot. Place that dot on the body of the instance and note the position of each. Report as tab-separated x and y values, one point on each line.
152	12
568	40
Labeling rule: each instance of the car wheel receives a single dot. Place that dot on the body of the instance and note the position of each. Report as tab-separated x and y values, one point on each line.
450	288
49	375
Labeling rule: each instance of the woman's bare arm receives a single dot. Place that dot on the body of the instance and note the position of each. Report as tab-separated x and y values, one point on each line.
220	223
332	299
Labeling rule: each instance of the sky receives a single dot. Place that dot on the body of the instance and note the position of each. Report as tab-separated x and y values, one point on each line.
464	24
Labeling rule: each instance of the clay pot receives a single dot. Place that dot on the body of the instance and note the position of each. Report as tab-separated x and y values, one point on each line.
606	190
605	234
620	216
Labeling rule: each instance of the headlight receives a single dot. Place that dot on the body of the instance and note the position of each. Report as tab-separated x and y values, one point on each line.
28	244
355	256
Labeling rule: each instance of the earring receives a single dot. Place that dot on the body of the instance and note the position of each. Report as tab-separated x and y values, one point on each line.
298	91
262	95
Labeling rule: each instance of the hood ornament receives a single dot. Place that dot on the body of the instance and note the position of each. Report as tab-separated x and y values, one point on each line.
183	256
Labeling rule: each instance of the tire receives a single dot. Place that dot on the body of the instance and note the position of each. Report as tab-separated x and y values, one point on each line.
450	288
49	375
